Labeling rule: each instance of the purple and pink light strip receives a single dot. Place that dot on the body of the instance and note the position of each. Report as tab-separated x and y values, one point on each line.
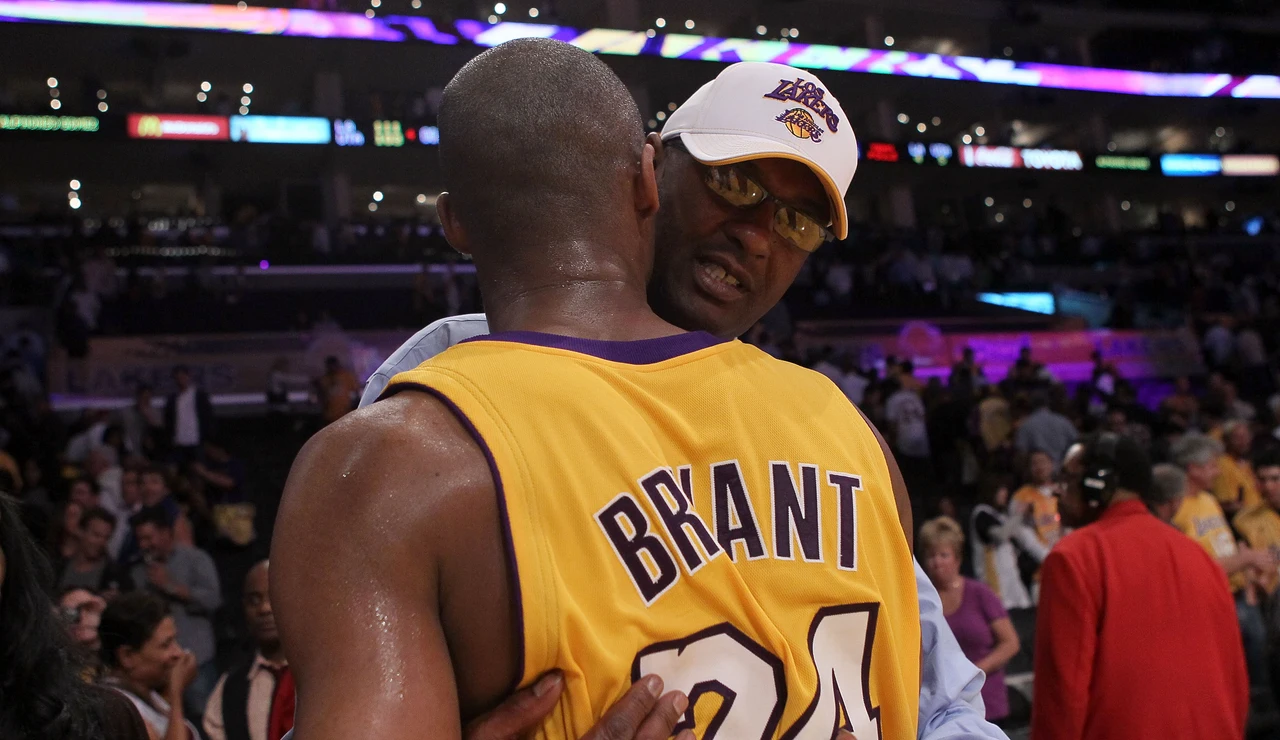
324	24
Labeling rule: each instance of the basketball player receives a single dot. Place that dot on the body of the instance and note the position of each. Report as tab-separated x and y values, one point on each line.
698	230
590	488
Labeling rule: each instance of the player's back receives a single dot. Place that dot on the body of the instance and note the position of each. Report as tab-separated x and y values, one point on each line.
696	509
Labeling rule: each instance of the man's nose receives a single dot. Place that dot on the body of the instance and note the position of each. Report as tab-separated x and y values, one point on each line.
752	229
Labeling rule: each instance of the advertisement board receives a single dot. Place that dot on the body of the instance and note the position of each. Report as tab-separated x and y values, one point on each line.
178	127
280	130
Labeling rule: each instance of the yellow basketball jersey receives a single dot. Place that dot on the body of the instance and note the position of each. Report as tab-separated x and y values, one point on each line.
1043	509
696	509
1200	518
1260	527
1236	483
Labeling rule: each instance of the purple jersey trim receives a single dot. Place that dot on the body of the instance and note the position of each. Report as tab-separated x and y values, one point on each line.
507	538
638	352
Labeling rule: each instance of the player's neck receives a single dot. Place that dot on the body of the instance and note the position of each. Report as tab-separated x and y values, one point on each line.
592	299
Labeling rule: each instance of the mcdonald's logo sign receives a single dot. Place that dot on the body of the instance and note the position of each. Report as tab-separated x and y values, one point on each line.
189	128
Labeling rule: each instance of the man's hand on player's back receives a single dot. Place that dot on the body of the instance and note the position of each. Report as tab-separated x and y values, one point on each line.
643	713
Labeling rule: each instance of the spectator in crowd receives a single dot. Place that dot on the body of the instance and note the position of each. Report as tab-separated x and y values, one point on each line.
142	423
91	566
146	664
1260	524
1182	407
102	467
994	419
1125	592
1168	488
42	692
185	577
65	538
852	383
338	389
130	503
188	417
966	377
995	556
155	495
81	610
1219	344
1200	517
1235	486
254	700
1044	429
905	414
1036	502
1236	408
91	435
973	611
83	492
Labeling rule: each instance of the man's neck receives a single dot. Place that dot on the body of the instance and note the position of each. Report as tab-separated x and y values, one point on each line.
1122	495
604	306
272	652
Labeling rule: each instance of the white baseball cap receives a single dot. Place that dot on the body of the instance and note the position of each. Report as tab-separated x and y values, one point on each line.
754	110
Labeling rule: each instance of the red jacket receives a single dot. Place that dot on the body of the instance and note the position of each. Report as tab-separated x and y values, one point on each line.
1136	637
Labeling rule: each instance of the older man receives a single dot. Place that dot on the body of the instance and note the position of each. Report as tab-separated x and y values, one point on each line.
254	700
697	231
1201	518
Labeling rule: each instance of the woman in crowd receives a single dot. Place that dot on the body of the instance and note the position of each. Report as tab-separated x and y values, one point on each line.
973	611
65	538
42	694
997	538
142	657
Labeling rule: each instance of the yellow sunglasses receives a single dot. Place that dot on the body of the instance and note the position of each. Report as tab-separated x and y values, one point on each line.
740	191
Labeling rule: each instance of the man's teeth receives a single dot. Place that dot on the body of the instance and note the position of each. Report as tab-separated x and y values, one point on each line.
719	273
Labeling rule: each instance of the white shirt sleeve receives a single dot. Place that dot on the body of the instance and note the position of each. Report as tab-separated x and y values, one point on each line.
424	345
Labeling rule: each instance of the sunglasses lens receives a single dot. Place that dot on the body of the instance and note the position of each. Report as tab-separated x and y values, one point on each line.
798	228
737	189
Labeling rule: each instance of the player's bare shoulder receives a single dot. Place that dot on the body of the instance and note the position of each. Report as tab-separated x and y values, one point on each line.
393	465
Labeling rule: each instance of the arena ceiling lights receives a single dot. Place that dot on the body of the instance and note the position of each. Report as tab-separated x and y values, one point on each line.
324	24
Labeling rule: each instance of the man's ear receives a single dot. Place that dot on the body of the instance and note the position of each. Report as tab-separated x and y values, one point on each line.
454	231
659	151
646	191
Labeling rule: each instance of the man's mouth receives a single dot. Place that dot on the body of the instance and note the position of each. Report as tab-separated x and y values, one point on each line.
719	281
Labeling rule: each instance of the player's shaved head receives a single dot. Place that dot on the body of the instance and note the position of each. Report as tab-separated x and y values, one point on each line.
539	142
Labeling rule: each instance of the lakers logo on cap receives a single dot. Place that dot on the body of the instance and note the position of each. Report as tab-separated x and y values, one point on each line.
801	124
810	96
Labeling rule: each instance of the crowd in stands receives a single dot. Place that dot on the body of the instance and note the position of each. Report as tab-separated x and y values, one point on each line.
98	279
151	532
146	516
981	457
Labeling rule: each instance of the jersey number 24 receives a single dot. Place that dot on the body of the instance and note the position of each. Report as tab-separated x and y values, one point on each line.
752	685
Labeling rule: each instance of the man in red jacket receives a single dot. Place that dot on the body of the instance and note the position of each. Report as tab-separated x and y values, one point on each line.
1136	634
